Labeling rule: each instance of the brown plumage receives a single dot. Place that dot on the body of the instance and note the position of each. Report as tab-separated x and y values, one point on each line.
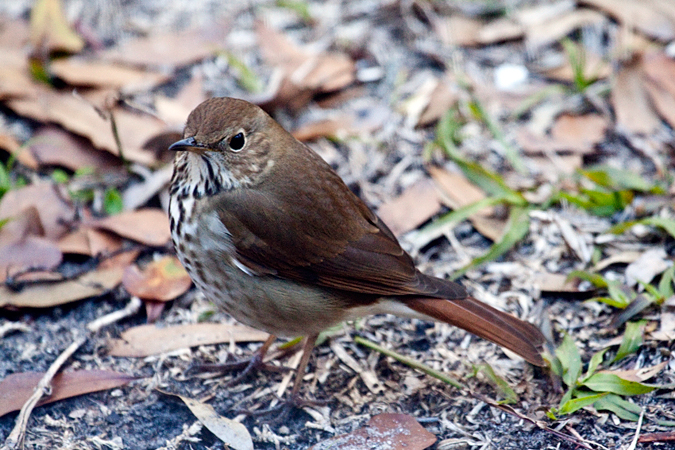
273	235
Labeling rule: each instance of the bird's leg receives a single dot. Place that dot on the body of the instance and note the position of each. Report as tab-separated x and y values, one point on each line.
294	400
246	365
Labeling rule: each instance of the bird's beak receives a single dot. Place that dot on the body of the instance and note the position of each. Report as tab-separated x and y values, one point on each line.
185	144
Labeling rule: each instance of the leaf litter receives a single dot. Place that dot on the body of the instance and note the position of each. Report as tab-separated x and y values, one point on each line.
101	117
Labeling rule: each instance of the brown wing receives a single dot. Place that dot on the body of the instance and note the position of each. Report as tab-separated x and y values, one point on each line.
314	229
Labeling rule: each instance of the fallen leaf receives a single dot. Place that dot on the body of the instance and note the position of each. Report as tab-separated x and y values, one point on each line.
48	199
161	280
16	389
624	257
153	310
390	431
545	33
173	49
659	71
51	145
457	30
95	73
78	115
500	30
146	340
232	433
648	17
456	192
304	73
323	128
91	242
49	28
417	204
442	98
594	68
631	105
148	226
650	264
554	283
22	246
88	285
638	375
33	252
579	134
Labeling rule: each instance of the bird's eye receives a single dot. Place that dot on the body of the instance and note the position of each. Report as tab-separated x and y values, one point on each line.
237	141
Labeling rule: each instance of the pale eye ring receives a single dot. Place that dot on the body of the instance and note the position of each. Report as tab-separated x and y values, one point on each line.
237	141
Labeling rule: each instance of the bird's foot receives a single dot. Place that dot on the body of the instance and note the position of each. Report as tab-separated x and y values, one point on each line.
246	366
283	409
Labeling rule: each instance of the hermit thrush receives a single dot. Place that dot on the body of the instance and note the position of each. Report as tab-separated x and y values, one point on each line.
273	236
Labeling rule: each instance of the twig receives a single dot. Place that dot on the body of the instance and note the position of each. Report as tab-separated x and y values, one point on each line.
410	362
538	423
43	388
637	432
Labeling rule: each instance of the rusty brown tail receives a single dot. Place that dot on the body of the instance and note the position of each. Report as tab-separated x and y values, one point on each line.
487	322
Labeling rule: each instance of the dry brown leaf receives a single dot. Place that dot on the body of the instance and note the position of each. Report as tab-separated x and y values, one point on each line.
500	30
659	72
417	204
546	33
146	340
49	28
33	252
232	433
442	98
91	284
16	388
638	375
22	246
76	114
650	264
324	128
161	280
94	73
554	283
647	17
15	82
148	226
594	68
390	431
458	30
457	191
626	257
48	199
153	310
304	73
169	49
660	68
92	242
579	134
51	145
663	101
631	105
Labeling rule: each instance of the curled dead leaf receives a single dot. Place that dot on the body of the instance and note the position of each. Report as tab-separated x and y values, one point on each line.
161	280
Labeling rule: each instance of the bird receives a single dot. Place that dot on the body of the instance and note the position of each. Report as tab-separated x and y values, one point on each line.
272	235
